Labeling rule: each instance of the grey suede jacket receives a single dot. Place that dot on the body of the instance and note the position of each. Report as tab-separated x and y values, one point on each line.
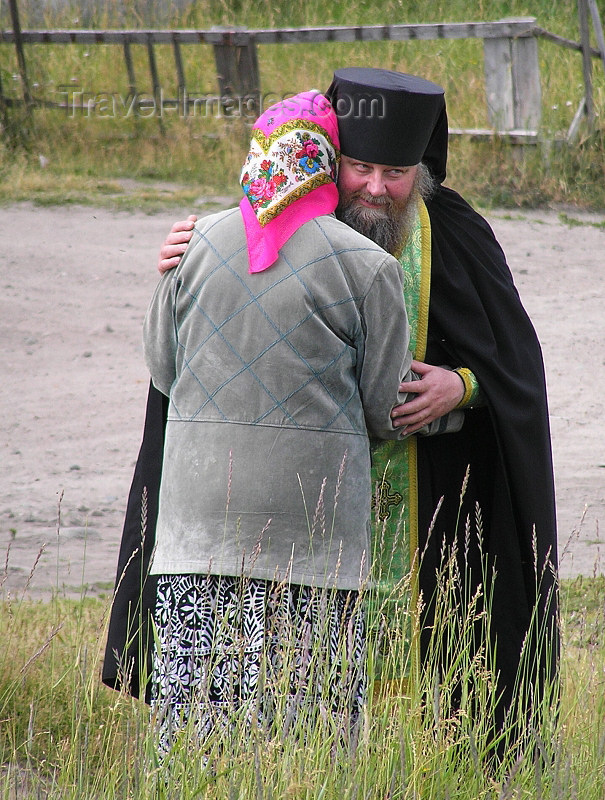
275	380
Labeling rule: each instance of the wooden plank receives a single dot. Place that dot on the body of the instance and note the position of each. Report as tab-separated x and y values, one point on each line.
574	129
598	28
497	60
527	91
132	84
513	136
155	82
237	72
460	30
249	76
588	103
224	60
466	30
563	42
153	69
18	40
178	62
4	119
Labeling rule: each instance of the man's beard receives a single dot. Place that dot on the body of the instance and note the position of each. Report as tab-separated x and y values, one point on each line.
391	224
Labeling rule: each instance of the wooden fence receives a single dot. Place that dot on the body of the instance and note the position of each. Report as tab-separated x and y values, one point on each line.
510	48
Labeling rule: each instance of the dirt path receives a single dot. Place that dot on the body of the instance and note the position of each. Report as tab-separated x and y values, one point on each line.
75	286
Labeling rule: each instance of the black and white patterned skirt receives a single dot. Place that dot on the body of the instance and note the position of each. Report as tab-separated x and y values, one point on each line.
237	650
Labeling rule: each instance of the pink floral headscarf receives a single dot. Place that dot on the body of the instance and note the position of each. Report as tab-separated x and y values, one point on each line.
289	176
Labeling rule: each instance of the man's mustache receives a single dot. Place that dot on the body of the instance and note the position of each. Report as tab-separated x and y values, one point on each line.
383	200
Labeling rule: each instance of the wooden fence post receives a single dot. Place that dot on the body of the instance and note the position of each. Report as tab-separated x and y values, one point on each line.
598	28
4	121
512	81
180	72
20	53
155	82
132	83
237	72
587	103
586	107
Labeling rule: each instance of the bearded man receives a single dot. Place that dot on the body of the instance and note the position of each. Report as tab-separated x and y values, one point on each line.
480	501
475	506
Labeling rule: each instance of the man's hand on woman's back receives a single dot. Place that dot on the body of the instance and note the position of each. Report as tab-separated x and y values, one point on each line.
176	243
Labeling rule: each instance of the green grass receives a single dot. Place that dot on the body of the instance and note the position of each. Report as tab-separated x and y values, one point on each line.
86	153
65	735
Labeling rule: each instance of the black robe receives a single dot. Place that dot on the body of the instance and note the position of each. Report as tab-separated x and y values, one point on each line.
128	651
476	320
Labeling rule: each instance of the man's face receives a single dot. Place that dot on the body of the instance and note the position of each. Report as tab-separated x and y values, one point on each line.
375	185
375	200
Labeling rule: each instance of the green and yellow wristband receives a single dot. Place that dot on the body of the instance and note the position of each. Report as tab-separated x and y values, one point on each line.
471	387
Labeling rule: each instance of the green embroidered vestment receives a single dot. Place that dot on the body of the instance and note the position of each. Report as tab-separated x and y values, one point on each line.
395	488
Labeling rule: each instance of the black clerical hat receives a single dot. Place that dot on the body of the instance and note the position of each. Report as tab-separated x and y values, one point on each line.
385	117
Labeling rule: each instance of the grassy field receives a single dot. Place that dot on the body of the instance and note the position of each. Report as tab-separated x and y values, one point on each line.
110	156
65	735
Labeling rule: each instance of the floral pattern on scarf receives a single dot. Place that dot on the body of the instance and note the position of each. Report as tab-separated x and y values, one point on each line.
295	159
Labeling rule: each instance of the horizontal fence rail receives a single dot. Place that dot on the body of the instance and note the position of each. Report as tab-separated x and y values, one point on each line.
510	29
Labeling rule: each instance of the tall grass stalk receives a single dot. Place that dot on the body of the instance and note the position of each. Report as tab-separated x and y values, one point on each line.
56	153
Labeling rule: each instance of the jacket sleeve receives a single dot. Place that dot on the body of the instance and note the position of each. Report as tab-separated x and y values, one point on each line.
160	334
386	357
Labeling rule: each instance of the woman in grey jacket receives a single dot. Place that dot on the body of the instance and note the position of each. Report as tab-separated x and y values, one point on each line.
281	340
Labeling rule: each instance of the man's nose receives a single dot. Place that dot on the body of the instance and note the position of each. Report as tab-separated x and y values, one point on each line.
375	184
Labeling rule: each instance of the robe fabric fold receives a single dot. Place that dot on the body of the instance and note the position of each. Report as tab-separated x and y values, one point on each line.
477	320
129	647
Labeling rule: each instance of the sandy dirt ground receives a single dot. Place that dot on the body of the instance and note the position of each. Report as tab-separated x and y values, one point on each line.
75	286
